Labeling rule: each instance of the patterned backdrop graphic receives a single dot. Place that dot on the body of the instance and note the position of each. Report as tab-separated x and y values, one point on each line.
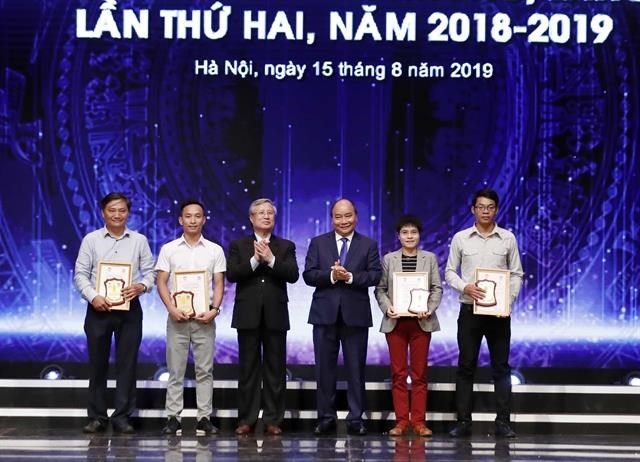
554	129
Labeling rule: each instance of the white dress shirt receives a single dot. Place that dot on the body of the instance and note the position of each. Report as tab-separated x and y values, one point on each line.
178	255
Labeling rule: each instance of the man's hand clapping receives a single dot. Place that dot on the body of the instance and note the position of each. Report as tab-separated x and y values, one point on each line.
262	252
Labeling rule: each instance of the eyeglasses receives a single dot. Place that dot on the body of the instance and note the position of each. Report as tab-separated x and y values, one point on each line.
482	208
265	213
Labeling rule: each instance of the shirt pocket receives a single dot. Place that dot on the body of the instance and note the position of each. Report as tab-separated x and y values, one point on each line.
470	257
499	256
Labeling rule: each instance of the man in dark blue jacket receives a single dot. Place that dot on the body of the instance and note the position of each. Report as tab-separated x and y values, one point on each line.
341	265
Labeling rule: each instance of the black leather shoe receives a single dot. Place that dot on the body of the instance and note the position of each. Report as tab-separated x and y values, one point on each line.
95	426
504	430
356	428
172	427
205	427
325	427
461	430
123	427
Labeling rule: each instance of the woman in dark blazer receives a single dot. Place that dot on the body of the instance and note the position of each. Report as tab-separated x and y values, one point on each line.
408	337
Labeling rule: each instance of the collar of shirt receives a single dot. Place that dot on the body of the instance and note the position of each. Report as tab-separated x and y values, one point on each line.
350	237
260	238
496	230
105	233
184	241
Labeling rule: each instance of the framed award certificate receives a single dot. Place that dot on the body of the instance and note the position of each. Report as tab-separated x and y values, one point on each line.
410	293
497	300
111	278
191	291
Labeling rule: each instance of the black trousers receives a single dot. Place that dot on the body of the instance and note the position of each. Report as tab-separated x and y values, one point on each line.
262	356
100	327
497	331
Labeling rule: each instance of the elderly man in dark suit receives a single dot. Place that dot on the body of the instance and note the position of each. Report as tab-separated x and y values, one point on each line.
341	265
261	264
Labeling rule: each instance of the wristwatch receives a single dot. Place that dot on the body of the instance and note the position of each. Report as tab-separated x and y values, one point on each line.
217	308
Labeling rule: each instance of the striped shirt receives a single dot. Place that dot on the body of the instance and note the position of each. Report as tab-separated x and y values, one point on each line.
409	263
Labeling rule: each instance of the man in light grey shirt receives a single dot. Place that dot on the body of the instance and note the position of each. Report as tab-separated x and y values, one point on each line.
484	245
114	243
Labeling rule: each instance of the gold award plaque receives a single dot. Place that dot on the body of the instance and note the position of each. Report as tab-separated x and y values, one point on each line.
184	302
111	278
193	288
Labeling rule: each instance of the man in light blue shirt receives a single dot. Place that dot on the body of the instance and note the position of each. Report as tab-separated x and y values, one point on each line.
113	243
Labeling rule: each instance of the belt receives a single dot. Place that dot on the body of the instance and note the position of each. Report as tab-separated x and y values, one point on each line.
466	306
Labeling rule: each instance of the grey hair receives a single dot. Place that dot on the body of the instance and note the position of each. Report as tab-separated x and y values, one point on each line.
261	201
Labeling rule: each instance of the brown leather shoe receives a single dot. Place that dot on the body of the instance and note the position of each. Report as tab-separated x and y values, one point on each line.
399	430
422	430
243	429
272	430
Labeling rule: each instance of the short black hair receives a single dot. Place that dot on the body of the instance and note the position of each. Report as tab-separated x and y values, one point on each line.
486	193
188	202
114	196
408	220
333	204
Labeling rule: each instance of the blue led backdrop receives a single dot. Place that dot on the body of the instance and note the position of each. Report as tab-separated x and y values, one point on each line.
400	105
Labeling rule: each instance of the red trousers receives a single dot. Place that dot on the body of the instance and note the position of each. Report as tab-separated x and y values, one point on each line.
408	337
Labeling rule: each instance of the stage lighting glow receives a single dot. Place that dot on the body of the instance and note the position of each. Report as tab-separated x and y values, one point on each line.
52	372
162	374
517	378
632	379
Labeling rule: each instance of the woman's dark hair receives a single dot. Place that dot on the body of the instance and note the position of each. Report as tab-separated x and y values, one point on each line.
408	220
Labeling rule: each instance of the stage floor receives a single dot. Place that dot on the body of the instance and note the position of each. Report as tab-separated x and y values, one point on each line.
69	445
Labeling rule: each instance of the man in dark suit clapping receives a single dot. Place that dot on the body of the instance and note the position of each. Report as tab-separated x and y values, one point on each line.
261	264
341	265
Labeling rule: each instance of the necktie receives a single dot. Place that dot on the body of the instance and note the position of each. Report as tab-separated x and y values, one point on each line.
343	250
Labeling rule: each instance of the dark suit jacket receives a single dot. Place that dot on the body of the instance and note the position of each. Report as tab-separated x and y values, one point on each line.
262	289
351	300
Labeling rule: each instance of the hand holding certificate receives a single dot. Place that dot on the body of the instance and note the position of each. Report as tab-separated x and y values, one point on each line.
112	277
496	300
410	293
191	291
